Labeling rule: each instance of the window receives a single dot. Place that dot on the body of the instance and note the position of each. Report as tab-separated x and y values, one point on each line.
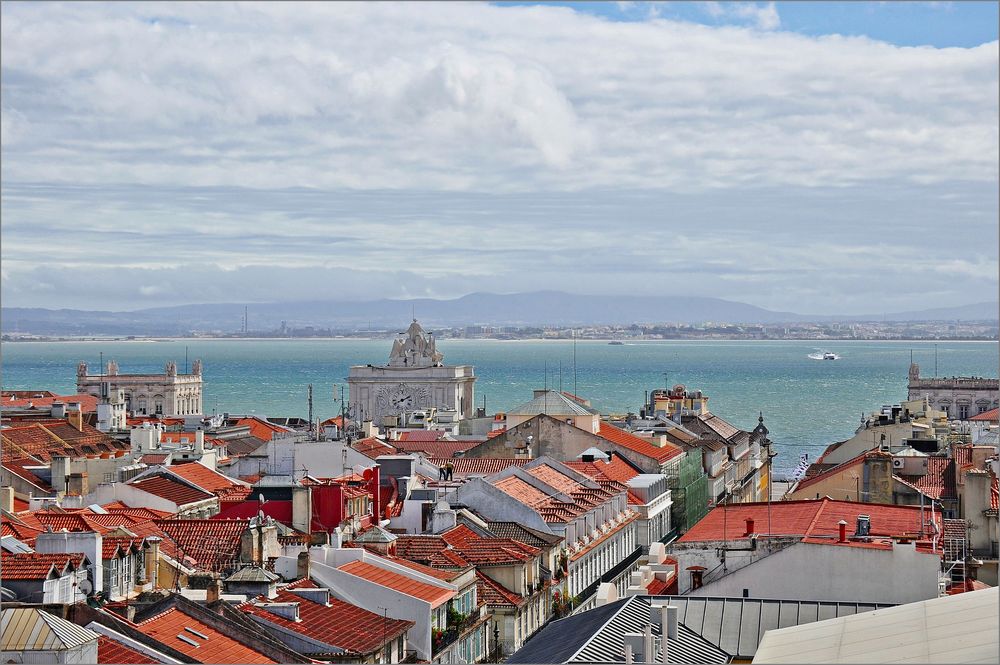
963	411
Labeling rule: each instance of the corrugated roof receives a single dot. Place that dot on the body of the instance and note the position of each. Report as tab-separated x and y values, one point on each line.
600	638
29	629
552	403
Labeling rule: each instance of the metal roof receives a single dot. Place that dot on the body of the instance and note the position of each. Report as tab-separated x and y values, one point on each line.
29	629
951	629
598	636
737	625
552	403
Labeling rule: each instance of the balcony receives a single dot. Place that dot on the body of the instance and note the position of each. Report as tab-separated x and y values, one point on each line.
457	625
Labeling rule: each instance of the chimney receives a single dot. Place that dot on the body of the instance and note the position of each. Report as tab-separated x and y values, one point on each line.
152	560
74	415
199	441
289	611
58	410
213	592
843	531
59	469
668	629
749	526
302	566
7	499
77	484
634	644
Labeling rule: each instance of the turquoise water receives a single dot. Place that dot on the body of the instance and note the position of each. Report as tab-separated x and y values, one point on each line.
806	403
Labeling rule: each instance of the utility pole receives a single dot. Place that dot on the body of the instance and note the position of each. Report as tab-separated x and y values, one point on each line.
311	407
385	620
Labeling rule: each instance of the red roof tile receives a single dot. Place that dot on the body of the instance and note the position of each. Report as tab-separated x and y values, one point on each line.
637	444
23	532
88	403
423	435
43	439
435	448
20	505
209	480
213	544
657	587
432	594
261	429
76	521
110	651
121	546
616	469
35	566
806	519
991	415
496	594
479	466
212	645
372	447
17	467
837	468
340	624
938	482
171	489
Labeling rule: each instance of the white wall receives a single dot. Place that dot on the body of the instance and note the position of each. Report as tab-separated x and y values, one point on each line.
805	571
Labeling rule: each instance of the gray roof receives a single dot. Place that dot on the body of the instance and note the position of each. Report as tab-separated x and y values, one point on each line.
376	534
524	534
552	403
252	574
30	629
951	629
598	635
737	625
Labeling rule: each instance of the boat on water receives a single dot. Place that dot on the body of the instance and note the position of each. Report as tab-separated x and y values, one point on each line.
824	355
830	356
616	343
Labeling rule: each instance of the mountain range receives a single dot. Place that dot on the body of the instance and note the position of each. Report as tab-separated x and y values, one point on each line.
519	309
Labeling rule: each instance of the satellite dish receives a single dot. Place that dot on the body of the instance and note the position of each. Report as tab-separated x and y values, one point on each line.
85	587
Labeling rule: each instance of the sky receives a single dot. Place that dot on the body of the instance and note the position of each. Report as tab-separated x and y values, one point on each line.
809	157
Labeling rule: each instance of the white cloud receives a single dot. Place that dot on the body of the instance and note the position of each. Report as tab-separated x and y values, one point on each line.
365	134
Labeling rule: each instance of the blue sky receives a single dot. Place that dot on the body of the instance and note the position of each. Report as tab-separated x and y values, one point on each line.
170	153
939	24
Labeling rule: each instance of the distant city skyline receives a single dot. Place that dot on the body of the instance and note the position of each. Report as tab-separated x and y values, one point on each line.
162	154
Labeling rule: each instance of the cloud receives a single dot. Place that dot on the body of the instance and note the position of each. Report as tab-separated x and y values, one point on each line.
763	15
462	147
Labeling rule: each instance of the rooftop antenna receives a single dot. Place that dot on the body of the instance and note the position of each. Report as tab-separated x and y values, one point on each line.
311	407
935	361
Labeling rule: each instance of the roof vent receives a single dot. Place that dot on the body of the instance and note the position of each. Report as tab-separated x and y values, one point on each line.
863	528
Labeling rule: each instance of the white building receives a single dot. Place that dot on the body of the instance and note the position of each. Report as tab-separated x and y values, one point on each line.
414	379
168	394
961	397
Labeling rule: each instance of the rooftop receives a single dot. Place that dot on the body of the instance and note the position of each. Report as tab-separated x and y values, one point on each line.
552	403
194	638
637	444
434	595
35	566
29	629
110	651
166	487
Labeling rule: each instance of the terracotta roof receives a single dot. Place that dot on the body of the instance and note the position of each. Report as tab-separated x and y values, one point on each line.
657	586
35	566
338	623
88	403
17	467
372	447
809	519
200	641
616	469
209	480
112	547
110	651
992	414
20	505
495	594
969	585
43	439
422	435
23	532
213	544
479	466
75	521
441	448
153	459
526	535
432	594
938	482
260	428
553	478
166	487
523	491
636	444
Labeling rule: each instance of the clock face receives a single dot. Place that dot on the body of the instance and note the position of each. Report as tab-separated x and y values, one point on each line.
394	400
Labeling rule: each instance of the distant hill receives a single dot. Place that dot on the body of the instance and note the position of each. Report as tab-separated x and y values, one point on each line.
520	309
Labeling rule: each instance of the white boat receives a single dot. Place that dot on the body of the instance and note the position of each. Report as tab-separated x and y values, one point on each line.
830	356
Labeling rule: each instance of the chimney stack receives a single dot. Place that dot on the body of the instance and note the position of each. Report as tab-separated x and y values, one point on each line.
152	560
213	592
74	415
749	526
302	565
77	483
843	531
59	469
58	410
7	499
634	643
199	441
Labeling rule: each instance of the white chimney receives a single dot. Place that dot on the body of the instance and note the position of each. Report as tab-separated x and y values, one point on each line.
58	410
634	647
199	441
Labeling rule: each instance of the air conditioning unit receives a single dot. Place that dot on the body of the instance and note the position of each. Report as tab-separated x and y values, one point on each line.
897	463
